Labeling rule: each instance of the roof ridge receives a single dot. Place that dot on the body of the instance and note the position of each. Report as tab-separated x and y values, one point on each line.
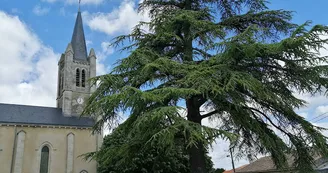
14	104
26	114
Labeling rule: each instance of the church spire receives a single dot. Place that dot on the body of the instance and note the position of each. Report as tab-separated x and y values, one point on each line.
78	39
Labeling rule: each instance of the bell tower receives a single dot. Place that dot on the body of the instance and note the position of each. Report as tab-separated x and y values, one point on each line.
75	68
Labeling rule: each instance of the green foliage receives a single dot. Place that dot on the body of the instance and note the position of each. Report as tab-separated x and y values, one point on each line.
146	160
219	170
235	57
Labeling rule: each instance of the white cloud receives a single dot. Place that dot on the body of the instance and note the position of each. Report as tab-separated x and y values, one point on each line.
303	114
101	68
321	114
28	69
110	126
40	11
102	56
324	51
221	156
313	101
321	109
107	50
88	42
71	2
120	20
325	125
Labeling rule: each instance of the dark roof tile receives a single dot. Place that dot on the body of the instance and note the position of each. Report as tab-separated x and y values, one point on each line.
22	114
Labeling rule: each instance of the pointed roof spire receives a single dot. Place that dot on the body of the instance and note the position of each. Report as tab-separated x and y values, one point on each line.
92	53
78	39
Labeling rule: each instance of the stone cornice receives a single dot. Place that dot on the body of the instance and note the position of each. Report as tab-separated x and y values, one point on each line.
44	126
81	62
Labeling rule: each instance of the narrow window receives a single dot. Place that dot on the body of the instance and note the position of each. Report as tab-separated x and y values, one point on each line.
44	160
83	78
61	83
77	77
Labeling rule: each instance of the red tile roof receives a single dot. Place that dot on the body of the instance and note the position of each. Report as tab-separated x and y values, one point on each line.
231	171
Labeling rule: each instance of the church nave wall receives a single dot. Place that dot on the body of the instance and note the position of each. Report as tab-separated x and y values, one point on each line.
65	146
6	148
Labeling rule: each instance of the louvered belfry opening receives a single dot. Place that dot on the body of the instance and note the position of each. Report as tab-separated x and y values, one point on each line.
77	77
83	78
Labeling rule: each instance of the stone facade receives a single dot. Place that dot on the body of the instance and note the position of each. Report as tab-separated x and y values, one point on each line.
66	144
68	92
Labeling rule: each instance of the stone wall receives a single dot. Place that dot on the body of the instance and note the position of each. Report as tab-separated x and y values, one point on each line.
65	144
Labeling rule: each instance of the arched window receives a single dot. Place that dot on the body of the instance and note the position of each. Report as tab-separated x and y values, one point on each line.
77	77
83	78
84	171
44	160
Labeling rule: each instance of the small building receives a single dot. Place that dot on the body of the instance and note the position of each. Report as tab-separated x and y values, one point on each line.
266	165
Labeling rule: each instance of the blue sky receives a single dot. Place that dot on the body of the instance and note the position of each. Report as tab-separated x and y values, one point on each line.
55	22
33	34
54	27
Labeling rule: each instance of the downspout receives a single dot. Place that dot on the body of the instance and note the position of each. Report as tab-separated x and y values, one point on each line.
14	151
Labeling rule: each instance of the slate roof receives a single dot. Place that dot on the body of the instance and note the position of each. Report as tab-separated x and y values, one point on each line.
36	115
78	40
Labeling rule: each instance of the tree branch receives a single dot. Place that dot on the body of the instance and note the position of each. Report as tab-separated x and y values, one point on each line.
205	54
271	122
209	114
169	118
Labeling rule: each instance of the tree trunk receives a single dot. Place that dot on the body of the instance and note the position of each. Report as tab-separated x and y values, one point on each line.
196	153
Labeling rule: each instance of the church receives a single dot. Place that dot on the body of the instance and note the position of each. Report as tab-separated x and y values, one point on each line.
37	139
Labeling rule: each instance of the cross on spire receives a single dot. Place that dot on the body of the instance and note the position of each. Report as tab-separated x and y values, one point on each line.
79	4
